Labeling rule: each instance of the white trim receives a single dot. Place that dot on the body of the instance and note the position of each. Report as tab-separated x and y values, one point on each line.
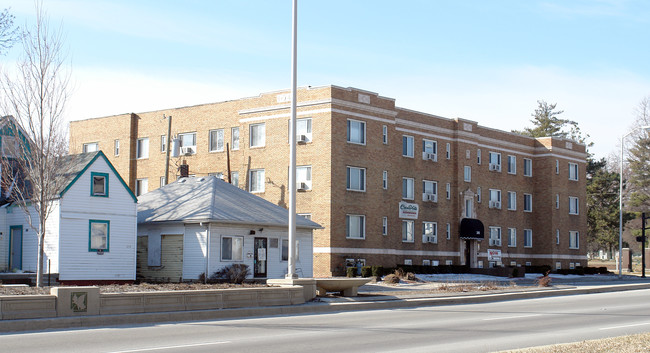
330	250
284	115
538	256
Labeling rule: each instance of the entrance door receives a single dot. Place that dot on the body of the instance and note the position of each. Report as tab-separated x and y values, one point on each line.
259	268
16	247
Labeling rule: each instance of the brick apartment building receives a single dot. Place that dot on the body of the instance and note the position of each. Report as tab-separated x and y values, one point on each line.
390	185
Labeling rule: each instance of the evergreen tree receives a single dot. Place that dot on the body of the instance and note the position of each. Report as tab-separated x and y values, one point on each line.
546	123
639	180
602	206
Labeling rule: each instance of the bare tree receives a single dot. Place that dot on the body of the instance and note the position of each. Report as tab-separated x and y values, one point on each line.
8	33
35	95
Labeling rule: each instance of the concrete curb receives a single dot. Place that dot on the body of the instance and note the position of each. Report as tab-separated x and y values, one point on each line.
303	309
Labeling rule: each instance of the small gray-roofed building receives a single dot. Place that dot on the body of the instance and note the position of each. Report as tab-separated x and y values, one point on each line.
199	225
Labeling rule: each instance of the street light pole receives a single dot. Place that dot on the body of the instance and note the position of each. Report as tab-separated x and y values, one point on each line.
291	271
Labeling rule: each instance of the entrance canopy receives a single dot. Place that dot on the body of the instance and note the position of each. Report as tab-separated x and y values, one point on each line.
471	228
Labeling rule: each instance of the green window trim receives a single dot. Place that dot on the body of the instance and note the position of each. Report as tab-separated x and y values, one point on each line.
90	235
92	184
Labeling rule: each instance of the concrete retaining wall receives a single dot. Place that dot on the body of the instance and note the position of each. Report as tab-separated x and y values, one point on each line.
59	302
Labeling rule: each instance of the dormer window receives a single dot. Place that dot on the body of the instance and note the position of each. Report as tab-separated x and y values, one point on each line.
99	184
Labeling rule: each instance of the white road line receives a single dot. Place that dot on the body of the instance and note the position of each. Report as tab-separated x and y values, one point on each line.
511	317
171	347
624	326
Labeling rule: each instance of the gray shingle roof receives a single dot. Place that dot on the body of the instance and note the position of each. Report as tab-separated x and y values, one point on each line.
200	199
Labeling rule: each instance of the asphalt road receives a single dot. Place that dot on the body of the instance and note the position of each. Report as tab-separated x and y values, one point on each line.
455	328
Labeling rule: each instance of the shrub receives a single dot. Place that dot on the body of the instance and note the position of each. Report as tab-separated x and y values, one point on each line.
366	271
411	276
400	273
351	272
235	273
543	281
377	271
392	278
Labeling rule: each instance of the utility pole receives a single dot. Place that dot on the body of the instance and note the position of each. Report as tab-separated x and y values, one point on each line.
169	138
642	240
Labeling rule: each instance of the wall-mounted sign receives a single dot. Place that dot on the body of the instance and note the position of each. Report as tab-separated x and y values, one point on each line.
494	255
408	210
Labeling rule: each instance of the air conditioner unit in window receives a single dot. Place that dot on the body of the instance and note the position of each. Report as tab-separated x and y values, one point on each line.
431	239
429	156
495	204
302	187
302	139
430	197
187	150
493	242
495	167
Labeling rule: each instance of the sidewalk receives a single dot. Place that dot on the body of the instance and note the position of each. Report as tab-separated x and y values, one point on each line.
372	297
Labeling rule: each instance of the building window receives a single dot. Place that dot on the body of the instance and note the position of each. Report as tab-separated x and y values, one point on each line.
448	151
256	183
356	179
407	231
408	262
429	150
285	249
512	165
468	208
356	132
429	232
478	194
407	146
512	200
163	181
557	201
495	198
448	231
528	203
234	138
573	205
495	161
216	140
142	148
355	226
528	238
558	265
429	191
512	237
384	131
188	142
467	175
478	156
305	215
557	166
117	147
384	179
426	262
90	147
234	178
573	171
574	240
448	190
384	225
557	236
495	236
528	167
303	177
303	130
408	188
141	186
257	135
163	143
232	248
99	235
99	185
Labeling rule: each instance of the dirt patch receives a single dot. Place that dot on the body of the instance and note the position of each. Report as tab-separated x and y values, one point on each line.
130	288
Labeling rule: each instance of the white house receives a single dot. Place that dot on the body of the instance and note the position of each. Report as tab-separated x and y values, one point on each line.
199	225
91	231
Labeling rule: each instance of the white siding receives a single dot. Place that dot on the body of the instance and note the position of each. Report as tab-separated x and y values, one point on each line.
194	251
52	239
15	216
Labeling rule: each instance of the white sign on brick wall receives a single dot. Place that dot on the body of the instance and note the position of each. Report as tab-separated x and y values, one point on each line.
408	210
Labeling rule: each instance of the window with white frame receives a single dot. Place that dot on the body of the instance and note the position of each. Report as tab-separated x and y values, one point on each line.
429	232
142	148
141	186
234	178
356	179
495	236
426	262
232	248
234	138
448	151
256	180
117	147
558	265
384	225
478	194
495	198
512	200
528	203
557	166
303	130
429	191
163	143
512	165
384	179
469	205
285	249
573	171
303	177
355	226
528	238
407	146
478	156
557	236
216	140
495	161
163	181
448	190
257	134
407	231
429	150
467	175
408	185
448	231
384	134
512	237
574	240
557	201
188	142
528	167
90	147
305	215
574	205
356	132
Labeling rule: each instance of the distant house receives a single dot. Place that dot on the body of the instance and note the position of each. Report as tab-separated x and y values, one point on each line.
199	225
91	232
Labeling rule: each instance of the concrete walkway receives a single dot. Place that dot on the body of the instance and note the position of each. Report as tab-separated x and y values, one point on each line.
372	297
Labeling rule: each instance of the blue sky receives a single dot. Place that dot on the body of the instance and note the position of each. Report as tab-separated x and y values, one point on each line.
487	61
